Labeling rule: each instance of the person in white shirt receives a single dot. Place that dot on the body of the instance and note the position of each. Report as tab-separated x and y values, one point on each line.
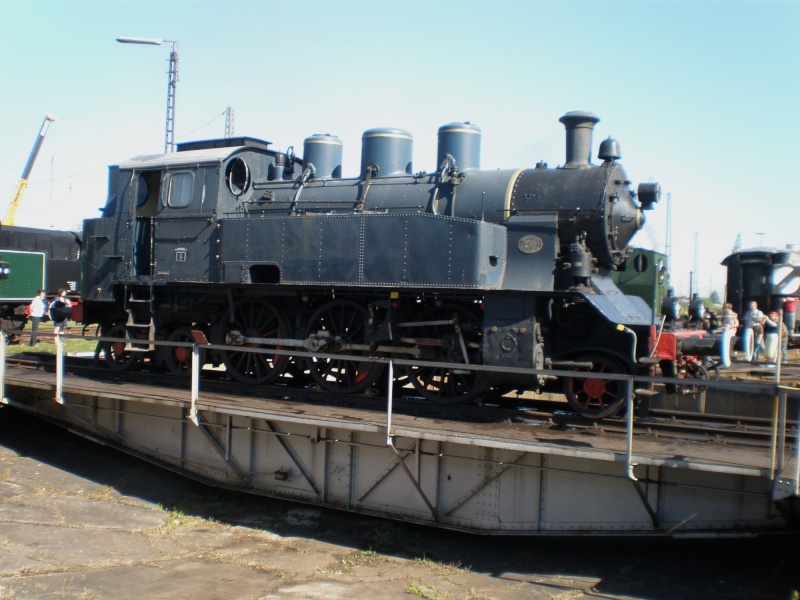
37	308
754	323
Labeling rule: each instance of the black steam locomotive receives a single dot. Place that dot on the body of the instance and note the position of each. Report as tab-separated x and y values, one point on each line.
260	248
771	278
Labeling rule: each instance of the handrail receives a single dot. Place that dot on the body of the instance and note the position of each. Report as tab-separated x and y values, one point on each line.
3	366
196	368
797	458
59	369
629	431
389	405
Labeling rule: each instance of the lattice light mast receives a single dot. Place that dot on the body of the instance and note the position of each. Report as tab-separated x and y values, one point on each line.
169	134
229	122
668	243
694	280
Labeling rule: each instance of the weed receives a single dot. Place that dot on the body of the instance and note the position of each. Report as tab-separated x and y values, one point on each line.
440	568
368	557
392	538
425	591
177	519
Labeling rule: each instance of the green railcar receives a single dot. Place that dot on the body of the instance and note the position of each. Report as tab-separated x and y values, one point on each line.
644	274
33	259
26	275
23	276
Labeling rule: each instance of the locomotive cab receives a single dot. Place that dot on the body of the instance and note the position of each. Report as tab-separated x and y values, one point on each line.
159	221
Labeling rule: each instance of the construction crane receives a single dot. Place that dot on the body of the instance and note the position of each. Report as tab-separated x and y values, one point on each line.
11	213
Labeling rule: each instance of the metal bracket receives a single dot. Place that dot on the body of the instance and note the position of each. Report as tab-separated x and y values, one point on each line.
784	487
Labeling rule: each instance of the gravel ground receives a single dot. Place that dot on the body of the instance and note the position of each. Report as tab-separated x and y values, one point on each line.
80	520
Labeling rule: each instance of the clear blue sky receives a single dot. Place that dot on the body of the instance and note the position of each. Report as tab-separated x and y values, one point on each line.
702	95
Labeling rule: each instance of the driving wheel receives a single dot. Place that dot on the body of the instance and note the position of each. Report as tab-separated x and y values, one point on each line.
179	358
334	325
253	318
115	354
596	396
449	333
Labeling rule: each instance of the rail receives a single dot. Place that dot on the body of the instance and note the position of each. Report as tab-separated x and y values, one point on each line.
783	486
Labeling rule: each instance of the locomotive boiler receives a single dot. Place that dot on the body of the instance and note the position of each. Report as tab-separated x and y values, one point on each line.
260	248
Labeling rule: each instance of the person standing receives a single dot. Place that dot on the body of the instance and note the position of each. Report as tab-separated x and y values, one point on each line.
784	344
38	307
730	324
60	311
772	331
789	310
730	320
754	324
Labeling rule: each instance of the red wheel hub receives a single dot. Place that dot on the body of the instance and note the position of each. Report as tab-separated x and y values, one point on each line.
594	388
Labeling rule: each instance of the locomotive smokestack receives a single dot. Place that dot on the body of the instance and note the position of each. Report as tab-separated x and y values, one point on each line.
579	125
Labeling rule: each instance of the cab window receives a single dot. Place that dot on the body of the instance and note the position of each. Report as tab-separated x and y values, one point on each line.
179	192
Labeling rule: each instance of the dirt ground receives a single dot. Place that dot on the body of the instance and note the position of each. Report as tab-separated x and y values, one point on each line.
80	520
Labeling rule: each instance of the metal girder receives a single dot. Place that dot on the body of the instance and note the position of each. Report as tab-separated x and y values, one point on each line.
386	472
401	461
280	436
498	470
197	419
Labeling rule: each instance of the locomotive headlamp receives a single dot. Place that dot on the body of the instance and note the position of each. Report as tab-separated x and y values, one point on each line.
5	270
649	194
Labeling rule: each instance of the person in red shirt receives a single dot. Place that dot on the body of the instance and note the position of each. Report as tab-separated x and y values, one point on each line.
789	310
